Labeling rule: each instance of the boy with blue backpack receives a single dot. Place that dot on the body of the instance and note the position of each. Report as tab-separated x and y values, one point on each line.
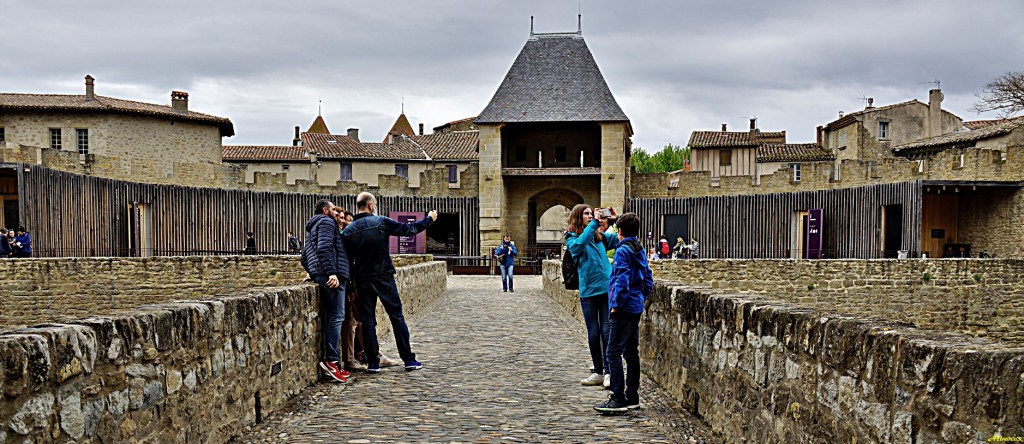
630	286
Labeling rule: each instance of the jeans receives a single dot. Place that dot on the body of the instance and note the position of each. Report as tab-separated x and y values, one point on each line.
624	339
332	314
368	291
506	270
595	315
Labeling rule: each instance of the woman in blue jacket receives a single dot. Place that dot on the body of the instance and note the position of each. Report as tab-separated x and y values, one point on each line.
589	248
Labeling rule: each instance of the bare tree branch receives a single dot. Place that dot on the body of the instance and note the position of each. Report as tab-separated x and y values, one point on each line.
1004	94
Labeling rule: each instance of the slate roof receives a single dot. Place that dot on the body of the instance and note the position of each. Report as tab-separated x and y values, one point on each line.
449	146
102	104
237	153
726	139
554	79
993	129
792	152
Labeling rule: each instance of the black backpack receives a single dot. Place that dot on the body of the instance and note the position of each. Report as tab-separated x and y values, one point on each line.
570	275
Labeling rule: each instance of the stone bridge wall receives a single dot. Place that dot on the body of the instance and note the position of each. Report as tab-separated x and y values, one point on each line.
51	290
980	297
193	370
756	367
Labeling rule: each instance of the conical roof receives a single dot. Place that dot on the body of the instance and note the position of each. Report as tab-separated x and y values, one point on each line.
554	79
318	126
401	126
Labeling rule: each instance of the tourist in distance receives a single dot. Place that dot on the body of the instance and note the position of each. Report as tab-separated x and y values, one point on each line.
506	254
664	251
589	246
327	263
294	246
681	249
250	243
367	239
22	244
5	245
694	247
631	283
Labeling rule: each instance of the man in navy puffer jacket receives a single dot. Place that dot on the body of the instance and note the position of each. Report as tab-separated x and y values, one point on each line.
325	260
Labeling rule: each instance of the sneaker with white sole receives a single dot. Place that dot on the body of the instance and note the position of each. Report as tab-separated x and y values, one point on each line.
632	404
612	406
413	365
373	368
333	372
593	379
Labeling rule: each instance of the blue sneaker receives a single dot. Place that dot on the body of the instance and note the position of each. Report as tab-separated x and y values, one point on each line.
413	365
373	368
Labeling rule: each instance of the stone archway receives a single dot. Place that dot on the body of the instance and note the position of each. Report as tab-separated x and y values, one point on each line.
540	203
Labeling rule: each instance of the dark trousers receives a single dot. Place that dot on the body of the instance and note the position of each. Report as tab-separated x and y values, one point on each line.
595	316
332	314
368	291
624	340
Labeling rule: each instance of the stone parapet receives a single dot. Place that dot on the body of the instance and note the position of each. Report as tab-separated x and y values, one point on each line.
764	370
200	370
979	297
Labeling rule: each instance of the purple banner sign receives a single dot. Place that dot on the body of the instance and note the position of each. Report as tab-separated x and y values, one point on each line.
815	231
408	244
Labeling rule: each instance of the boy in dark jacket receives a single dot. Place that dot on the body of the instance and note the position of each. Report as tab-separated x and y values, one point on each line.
325	260
630	285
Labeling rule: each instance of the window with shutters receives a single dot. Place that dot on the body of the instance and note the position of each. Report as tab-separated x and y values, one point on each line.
346	171
402	170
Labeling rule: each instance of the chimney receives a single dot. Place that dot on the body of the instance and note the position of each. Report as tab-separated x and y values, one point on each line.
821	135
935	112
297	139
723	127
179	101
421	129
840	114
871	103
90	92
353	133
753	123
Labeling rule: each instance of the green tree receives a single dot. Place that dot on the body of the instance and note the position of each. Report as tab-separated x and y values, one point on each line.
670	158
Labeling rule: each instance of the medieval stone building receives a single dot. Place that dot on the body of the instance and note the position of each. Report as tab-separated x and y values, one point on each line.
551	135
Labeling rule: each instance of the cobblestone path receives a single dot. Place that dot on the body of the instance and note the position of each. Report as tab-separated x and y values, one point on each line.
498	367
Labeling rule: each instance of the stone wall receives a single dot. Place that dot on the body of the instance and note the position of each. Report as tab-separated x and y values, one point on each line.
430	182
188	371
980	164
979	297
763	370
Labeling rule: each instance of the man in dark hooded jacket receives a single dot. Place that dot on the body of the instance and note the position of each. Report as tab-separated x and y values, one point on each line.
325	260
5	245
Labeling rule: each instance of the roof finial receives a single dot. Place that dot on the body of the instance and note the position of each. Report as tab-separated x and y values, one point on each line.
319	107
579	18
531	26
403	103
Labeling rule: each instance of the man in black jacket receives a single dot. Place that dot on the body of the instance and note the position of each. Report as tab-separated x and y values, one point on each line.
367	238
325	260
5	245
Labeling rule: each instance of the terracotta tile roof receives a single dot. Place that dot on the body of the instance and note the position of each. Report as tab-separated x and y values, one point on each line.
236	153
997	128
725	139
401	126
460	145
792	152
73	102
318	126
975	124
554	79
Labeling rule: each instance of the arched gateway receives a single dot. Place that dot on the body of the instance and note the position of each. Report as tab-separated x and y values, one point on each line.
553	134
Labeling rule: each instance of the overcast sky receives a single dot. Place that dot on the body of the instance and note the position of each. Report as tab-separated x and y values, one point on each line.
674	66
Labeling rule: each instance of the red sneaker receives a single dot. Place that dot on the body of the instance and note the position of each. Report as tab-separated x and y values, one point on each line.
332	371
